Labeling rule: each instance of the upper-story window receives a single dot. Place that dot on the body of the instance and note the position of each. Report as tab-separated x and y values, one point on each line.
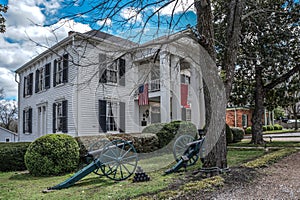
60	74
112	73
28	85
185	79
42	78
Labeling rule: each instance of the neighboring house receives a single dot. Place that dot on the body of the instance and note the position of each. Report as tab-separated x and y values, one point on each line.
7	135
95	83
242	117
239	117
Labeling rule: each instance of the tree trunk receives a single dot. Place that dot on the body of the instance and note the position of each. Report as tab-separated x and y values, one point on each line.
217	157
259	94
295	116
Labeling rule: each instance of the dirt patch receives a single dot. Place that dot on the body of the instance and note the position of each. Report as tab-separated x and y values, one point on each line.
279	181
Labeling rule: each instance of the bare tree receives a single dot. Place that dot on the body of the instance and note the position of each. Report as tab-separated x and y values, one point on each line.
3	9
8	111
106	12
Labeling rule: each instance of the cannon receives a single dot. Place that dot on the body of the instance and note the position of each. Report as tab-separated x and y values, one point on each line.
186	151
117	160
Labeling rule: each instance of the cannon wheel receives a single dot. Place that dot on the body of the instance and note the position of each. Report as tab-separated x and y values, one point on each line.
98	145
118	160
180	146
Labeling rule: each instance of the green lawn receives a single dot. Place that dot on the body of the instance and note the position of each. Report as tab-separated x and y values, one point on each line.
21	185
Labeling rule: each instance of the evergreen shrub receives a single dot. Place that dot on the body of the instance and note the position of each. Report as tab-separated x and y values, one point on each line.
238	134
248	130
52	154
229	135
12	156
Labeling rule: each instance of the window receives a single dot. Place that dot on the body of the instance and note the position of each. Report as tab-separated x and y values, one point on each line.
114	73
42	78
28	85
185	79
60	117
111	116
244	120
188	114
27	120
60	74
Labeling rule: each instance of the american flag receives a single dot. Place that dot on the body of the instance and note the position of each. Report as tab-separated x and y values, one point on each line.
184	94
143	95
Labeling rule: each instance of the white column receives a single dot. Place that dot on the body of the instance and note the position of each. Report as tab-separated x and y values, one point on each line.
176	88
165	107
197	99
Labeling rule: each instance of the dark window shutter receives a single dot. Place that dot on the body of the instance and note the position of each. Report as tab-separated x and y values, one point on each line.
30	120
54	72
102	116
30	86
24	90
47	75
24	113
102	69
54	118
65	68
122	71
65	116
122	117
37	74
183	114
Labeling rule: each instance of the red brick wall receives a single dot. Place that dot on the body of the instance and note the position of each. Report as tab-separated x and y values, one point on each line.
230	116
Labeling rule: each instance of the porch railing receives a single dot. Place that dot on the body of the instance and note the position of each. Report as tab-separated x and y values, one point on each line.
154	85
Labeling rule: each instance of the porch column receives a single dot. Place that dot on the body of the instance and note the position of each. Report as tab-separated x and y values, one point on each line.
176	88
165	107
197	99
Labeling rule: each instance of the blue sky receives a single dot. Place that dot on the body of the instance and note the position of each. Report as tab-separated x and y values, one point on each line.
41	21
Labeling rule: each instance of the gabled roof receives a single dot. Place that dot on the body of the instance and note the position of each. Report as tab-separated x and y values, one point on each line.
93	35
8	131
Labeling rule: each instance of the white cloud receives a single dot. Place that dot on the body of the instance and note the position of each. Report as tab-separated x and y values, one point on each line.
16	47
131	14
105	22
7	81
180	6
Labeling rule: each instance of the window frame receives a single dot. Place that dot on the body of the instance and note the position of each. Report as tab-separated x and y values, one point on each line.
60	116
27	120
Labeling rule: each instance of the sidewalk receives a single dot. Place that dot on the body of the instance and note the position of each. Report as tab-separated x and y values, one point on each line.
280	136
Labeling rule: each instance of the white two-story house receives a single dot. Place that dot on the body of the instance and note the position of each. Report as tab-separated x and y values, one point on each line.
96	83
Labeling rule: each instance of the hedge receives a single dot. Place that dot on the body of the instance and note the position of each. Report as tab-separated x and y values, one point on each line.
167	131
229	135
248	130
52	154
12	156
238	134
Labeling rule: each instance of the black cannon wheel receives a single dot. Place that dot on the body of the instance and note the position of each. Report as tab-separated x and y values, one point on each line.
118	160
100	144
180	146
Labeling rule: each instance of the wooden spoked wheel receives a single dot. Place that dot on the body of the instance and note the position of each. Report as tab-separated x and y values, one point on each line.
118	160
180	147
100	144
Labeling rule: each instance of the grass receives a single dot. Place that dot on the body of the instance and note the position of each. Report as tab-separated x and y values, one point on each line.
269	158
22	185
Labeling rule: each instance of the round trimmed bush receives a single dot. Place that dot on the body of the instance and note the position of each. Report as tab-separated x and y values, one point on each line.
229	135
270	128
52	154
238	134
264	128
277	127
248	130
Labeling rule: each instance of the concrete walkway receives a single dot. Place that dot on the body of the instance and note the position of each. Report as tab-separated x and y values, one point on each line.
280	137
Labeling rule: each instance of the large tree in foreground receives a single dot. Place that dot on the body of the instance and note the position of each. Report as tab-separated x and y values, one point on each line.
134	17
269	56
